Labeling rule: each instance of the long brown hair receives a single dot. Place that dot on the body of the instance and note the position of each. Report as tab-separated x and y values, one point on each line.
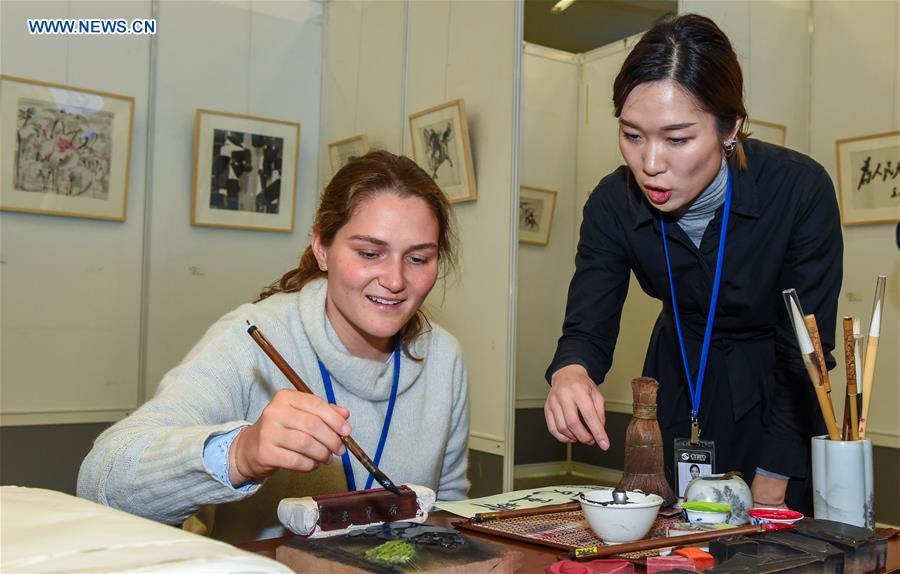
361	179
693	52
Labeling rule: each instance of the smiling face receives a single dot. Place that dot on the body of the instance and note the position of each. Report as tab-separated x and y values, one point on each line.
381	265
672	146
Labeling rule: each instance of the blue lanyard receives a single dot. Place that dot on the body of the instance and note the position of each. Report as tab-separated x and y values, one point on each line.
710	318
345	458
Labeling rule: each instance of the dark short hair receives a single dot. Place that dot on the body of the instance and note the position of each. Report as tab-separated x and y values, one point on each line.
693	52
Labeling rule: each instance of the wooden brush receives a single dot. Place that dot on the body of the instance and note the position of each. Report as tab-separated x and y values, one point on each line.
850	360
871	353
813	328
644	459
810	360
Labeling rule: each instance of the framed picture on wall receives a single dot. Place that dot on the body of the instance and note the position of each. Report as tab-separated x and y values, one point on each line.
536	208
440	145
245	171
343	151
64	150
868	173
766	131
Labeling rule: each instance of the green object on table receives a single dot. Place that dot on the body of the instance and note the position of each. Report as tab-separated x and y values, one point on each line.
392	552
706	506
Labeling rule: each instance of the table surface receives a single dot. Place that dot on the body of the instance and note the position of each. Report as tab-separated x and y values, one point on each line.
535	557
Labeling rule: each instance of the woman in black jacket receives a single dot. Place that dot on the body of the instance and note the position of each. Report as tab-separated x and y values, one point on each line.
722	348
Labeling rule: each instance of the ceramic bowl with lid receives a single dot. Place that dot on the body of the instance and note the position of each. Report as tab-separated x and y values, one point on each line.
727	489
615	522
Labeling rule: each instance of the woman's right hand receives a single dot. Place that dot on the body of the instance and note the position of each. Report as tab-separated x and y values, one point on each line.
575	408
296	431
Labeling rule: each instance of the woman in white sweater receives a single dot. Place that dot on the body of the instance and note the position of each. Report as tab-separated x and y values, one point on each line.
226	425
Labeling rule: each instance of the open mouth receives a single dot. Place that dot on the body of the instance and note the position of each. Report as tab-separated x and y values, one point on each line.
383	301
658	195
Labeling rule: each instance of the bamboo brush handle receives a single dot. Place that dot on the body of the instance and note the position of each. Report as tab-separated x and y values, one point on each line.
827	406
830	422
850	362
813	329
868	376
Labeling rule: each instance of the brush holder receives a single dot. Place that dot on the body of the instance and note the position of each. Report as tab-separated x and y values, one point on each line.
843	488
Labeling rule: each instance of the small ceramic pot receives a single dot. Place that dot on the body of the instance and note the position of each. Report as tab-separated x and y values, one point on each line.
728	489
707	512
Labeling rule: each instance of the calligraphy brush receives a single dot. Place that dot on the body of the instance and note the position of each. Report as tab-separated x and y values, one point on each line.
808	352
850	360
872	353
813	329
298	383
591	552
857	364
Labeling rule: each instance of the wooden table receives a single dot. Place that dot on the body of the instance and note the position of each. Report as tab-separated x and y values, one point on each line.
534	558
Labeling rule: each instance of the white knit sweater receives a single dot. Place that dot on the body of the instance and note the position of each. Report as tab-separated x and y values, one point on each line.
151	463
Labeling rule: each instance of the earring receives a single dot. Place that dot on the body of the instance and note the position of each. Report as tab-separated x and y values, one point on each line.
323	266
728	147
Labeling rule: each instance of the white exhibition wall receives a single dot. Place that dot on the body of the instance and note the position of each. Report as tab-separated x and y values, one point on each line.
468	50
92	309
809	83
547	161
362	78
70	304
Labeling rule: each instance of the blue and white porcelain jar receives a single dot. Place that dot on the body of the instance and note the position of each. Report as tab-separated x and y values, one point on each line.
727	489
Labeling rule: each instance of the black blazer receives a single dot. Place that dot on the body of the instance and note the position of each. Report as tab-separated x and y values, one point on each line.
784	231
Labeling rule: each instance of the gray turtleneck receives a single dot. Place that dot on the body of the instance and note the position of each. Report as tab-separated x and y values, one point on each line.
701	211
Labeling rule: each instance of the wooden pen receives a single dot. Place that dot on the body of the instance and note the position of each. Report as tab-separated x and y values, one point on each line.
519	512
871	353
850	361
810	360
591	552
298	383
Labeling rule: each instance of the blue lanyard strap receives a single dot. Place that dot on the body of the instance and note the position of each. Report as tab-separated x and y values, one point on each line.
697	389
345	458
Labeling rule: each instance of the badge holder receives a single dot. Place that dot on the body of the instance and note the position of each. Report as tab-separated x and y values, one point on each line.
693	459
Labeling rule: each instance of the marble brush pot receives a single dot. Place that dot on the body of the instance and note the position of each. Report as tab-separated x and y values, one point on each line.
618	522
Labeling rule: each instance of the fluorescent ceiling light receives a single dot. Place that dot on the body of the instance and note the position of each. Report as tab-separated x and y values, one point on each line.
561	5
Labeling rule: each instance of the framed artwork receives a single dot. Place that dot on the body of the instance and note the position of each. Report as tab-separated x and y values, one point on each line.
536	208
440	145
766	131
245	171
868	182
64	150
345	150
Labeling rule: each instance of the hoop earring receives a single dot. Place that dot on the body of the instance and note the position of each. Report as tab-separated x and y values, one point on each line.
728	147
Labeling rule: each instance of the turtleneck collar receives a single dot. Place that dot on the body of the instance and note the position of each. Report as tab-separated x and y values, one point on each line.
368	379
701	211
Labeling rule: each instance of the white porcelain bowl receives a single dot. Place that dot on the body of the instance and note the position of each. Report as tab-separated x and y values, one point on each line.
617	523
707	517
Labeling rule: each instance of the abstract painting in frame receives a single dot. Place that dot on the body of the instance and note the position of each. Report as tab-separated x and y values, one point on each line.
868	168
440	145
343	151
245	171
536	207
767	131
64	150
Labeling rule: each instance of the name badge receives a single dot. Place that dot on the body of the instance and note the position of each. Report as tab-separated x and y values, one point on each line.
693	461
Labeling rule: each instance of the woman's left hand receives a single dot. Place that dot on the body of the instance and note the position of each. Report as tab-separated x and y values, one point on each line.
768	492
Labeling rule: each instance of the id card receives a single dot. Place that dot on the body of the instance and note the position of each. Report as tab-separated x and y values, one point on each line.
693	461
